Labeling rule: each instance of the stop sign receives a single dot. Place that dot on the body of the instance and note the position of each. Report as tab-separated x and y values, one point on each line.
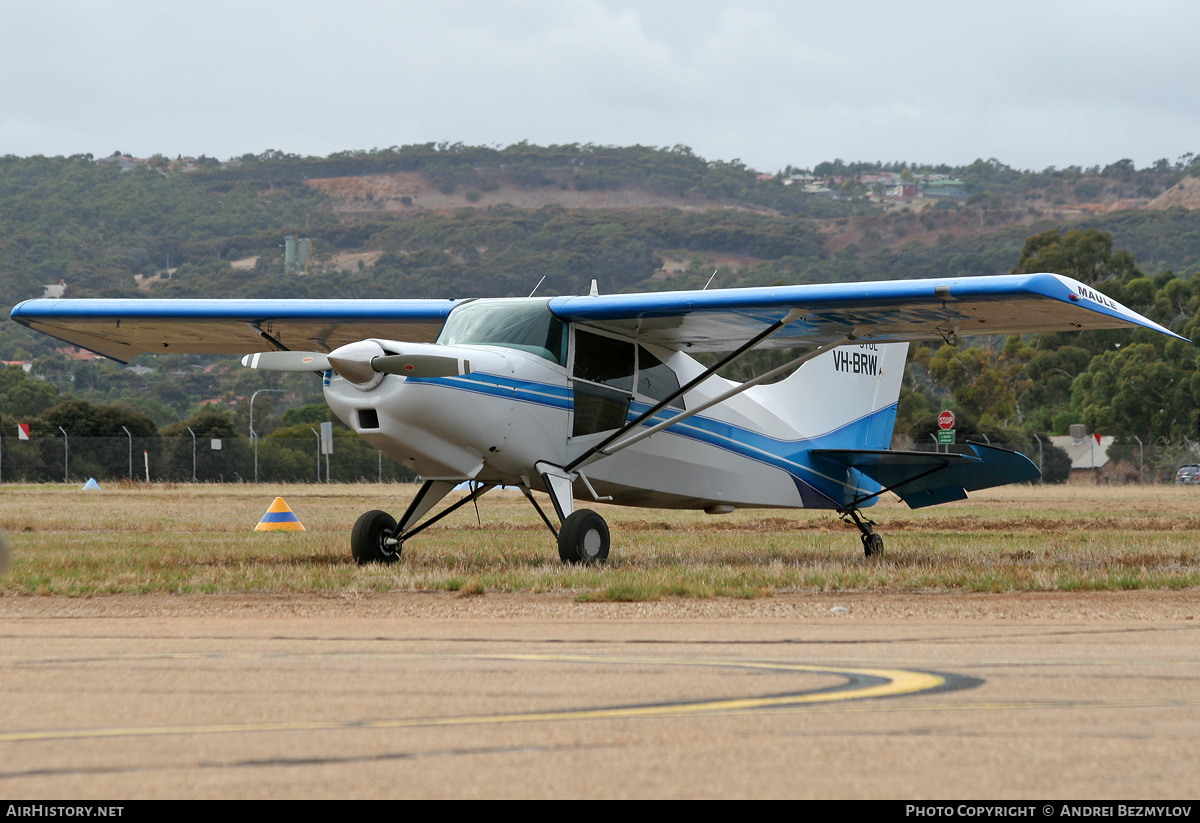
946	420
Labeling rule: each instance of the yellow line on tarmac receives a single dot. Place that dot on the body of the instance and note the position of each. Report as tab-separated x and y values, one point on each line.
893	683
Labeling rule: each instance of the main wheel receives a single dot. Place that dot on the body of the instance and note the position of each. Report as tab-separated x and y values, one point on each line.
368	539
872	544
583	538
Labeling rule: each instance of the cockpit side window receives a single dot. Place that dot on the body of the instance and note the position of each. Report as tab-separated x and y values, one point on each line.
604	360
606	375
525	325
603	386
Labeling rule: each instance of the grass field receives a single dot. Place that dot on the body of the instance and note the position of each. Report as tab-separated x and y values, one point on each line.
136	538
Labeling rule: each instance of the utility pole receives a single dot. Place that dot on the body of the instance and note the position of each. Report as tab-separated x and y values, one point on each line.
253	435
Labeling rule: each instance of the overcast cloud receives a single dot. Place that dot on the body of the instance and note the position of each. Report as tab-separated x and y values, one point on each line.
1033	84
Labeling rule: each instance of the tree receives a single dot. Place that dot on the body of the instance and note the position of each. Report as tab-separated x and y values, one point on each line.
987	384
24	397
103	439
226	464
1084	254
1134	391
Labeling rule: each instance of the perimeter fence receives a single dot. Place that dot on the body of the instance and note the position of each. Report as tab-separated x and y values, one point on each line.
76	458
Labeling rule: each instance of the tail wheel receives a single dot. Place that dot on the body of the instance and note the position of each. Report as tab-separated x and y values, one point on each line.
872	544
583	538
371	539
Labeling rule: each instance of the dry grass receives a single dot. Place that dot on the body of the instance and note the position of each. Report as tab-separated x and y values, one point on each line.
183	538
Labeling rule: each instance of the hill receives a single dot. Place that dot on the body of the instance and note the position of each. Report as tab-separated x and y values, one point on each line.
442	220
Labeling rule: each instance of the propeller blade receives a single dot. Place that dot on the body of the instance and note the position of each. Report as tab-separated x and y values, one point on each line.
287	361
421	365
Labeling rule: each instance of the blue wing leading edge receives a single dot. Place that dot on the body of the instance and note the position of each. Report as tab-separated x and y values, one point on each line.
717	320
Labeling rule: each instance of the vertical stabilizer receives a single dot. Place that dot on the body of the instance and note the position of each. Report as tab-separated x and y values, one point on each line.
846	397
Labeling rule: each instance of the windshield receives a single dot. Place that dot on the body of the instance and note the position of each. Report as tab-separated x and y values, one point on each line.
526	325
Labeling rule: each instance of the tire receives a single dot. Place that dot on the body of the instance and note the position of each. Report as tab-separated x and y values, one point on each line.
583	539
872	545
367	538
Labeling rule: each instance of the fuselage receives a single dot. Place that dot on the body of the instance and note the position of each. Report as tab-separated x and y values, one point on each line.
523	404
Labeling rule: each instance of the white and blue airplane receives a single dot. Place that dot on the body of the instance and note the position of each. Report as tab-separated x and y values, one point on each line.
598	397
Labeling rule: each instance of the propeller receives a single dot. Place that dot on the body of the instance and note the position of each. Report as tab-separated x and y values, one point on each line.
422	365
360	362
287	361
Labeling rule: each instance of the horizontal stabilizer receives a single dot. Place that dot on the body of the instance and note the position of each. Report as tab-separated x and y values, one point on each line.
927	478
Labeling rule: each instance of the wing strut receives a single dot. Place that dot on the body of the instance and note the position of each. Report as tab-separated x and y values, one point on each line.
736	354
274	343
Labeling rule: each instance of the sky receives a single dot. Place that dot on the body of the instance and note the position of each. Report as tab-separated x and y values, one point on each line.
772	84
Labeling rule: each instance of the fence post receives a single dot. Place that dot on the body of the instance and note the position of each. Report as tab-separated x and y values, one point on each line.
1041	466
66	456
1141	462
318	434
130	436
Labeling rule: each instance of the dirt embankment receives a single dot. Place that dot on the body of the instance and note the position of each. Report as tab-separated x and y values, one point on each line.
1185	193
408	191
918	220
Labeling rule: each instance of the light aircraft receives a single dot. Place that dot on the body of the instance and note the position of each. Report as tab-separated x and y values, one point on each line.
598	397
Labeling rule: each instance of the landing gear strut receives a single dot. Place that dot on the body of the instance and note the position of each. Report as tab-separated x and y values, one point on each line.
872	542
378	538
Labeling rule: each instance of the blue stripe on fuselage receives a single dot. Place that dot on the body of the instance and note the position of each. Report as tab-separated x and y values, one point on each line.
524	391
816	487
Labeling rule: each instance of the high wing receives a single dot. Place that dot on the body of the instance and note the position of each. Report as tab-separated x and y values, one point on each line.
696	321
885	311
124	328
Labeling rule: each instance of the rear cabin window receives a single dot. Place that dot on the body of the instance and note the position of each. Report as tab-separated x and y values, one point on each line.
656	379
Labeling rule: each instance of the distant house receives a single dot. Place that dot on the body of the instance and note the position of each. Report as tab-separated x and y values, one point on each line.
904	190
820	190
953	189
223	401
802	179
887	178
75	353
1090	463
124	161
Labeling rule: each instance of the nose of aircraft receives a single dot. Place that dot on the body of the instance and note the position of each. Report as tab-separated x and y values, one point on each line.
365	362
353	361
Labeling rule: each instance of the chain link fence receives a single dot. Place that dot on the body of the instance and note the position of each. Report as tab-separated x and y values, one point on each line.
76	458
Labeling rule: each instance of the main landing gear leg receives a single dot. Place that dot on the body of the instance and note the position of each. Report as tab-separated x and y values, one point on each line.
583	538
872	542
